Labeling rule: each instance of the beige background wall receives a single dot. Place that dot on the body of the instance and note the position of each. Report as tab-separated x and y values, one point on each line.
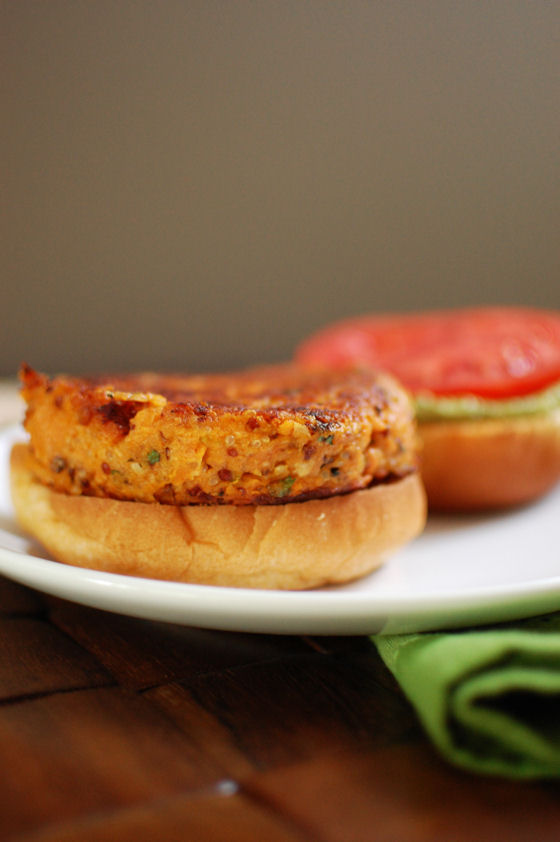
197	184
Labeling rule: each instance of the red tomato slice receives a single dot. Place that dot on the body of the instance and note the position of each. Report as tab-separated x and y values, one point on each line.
491	352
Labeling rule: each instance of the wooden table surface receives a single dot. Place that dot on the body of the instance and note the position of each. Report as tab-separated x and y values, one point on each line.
113	728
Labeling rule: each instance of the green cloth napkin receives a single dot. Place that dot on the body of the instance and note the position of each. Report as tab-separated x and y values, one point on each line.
488	698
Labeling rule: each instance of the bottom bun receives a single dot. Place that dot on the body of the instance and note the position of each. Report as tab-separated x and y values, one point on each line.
287	546
494	463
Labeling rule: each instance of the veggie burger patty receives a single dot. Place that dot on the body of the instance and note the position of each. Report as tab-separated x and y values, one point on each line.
221	438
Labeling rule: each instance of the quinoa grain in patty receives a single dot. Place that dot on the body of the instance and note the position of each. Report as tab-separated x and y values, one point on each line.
261	436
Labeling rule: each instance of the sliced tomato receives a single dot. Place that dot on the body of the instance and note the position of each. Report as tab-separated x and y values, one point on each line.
491	352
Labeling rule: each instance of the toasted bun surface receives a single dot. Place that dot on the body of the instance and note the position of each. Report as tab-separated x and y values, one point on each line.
490	463
289	546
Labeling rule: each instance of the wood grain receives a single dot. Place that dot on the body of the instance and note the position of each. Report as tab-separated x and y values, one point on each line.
405	792
115	729
36	658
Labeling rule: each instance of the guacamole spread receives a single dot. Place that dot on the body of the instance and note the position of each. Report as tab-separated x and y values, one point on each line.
464	407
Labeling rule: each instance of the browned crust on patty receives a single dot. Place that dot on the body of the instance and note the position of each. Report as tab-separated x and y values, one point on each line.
266	435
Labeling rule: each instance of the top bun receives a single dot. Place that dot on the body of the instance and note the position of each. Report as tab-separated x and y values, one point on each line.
490	463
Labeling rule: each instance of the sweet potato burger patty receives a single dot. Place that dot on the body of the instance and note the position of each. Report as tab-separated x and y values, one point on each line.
273	434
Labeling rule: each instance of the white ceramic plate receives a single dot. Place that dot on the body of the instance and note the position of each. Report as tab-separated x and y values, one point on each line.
461	571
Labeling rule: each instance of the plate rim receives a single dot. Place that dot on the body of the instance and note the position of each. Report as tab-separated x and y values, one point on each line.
306	612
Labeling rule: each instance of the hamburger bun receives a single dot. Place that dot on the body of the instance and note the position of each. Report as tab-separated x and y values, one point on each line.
160	476
288	546
490	463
